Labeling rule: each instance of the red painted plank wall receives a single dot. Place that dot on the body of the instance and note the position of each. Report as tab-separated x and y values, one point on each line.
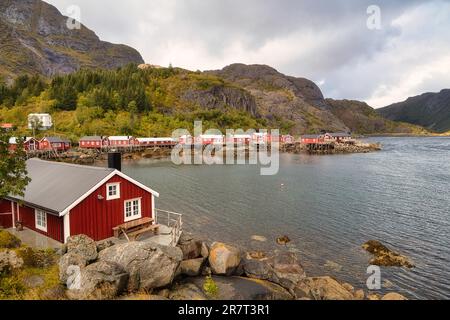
96	218
55	227
5	220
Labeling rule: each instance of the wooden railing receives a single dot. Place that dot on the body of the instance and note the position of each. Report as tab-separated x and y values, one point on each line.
173	220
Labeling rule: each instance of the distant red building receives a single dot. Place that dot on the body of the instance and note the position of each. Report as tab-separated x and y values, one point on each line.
93	142
54	144
122	141
29	144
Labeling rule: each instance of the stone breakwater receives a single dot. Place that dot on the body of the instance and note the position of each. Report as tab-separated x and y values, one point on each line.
194	270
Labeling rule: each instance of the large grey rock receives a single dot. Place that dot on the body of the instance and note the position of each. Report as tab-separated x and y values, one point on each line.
283	268
100	281
224	259
66	264
192	267
149	265
83	246
9	261
323	288
187	291
191	247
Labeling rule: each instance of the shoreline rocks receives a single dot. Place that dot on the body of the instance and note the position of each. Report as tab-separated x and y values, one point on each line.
224	259
385	257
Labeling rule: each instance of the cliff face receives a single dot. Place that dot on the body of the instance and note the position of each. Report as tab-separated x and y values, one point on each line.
430	110
296	100
35	39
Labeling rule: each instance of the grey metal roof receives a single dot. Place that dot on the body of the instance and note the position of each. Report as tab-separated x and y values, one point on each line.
56	140
55	186
91	138
311	136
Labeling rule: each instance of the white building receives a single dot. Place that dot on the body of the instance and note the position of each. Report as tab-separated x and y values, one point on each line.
44	119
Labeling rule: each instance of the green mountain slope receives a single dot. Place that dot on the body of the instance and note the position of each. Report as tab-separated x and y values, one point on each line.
35	39
430	110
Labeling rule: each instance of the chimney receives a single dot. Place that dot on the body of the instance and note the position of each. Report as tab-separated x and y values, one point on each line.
115	160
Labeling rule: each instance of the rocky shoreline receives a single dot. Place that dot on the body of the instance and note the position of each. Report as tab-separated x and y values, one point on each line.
194	270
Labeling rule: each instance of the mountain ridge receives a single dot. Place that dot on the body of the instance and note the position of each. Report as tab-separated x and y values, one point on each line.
36	40
430	110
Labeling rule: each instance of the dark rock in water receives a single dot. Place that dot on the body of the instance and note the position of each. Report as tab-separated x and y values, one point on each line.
284	240
238	288
385	257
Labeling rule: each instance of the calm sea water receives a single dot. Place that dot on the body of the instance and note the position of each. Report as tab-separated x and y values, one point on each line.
329	206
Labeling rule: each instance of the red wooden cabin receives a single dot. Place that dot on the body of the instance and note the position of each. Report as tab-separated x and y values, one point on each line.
93	142
54	143
155	142
312	139
122	141
64	200
29	144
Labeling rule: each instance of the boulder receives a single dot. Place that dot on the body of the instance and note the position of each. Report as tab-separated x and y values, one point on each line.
224	259
192	267
104	245
393	296
287	270
9	261
33	281
83	246
187	291
204	252
191	248
66	264
283	268
385	257
322	288
149	265
100	281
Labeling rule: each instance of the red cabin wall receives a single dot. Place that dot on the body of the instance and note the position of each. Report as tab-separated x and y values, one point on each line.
96	218
55	229
5	214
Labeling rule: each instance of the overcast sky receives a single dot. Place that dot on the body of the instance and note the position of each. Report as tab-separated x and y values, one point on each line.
327	41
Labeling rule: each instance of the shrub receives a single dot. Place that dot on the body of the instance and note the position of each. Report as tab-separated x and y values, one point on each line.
37	258
210	287
9	241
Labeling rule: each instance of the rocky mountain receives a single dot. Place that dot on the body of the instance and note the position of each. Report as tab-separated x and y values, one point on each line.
35	39
301	102
361	118
297	101
430	110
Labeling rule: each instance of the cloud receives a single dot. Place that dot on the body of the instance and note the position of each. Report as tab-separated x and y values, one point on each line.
326	41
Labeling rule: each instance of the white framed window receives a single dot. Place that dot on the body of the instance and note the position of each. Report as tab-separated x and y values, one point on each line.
113	191
41	220
133	209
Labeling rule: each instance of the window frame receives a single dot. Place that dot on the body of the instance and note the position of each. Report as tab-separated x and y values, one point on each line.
133	216
117	195
43	217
